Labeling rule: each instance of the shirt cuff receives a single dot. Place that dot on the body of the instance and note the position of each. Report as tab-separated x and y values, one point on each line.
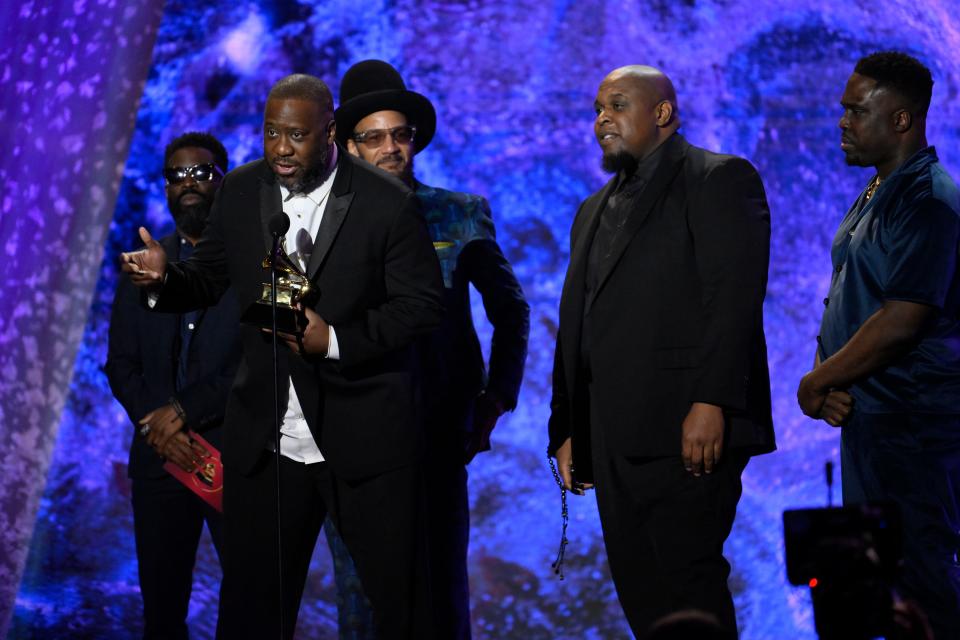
333	348
154	296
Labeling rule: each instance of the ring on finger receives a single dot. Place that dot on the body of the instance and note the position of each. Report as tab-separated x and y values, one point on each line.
145	429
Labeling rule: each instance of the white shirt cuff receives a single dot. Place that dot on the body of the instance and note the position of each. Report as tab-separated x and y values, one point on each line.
333	348
154	296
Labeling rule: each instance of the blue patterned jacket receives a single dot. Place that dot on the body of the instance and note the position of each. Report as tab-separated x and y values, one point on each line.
462	230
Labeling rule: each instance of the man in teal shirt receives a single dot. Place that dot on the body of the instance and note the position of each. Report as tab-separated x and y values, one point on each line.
888	363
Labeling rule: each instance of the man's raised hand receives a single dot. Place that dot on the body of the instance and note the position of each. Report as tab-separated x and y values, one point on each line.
147	266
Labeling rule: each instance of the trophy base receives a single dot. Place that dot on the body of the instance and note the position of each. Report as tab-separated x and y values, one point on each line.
260	314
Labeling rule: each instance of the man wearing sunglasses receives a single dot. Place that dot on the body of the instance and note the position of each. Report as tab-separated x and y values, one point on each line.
382	122
172	372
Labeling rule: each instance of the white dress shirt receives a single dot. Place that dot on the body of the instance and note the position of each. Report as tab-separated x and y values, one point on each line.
306	213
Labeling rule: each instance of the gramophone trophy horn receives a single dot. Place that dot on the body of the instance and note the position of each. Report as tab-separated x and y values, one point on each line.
293	288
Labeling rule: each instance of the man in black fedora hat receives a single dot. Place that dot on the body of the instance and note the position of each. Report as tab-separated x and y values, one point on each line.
382	122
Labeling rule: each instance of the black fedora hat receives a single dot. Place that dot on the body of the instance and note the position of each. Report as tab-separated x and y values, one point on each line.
374	85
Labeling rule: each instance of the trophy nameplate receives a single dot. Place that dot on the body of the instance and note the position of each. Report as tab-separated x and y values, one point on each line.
293	288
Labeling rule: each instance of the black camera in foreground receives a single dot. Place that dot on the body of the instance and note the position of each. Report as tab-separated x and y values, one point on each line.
849	557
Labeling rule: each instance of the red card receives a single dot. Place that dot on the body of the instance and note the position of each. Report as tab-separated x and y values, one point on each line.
207	479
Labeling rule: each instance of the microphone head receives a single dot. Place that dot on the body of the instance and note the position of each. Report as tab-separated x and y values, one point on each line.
279	224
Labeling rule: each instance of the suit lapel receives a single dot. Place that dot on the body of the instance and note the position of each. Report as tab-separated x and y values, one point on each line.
338	203
333	216
667	170
270	204
573	287
572	297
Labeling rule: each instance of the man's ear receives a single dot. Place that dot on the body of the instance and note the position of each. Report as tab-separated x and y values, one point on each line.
664	113
332	131
902	121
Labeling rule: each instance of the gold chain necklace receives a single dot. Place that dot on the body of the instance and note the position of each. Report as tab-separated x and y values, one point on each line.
872	187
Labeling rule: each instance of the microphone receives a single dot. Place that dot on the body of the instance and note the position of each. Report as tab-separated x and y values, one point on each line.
279	224
829	472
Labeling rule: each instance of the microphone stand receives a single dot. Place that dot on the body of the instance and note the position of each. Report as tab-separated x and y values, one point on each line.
276	417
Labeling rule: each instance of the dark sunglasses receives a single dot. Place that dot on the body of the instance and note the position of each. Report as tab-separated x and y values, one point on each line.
199	172
373	138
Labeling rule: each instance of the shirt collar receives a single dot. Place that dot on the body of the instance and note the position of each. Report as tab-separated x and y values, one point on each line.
182	239
646	168
916	162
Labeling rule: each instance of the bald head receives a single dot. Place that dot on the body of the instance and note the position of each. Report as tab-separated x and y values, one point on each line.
636	109
300	86
653	82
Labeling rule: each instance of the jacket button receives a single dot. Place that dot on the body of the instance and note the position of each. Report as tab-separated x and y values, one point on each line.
839	268
826	301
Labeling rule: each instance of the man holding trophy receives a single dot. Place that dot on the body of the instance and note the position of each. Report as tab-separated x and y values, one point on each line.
350	436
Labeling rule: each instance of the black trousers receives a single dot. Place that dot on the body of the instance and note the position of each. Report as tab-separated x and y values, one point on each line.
449	536
913	461
664	531
380	519
448	526
167	522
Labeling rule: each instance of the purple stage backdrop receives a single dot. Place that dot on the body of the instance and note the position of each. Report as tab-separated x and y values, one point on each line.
513	83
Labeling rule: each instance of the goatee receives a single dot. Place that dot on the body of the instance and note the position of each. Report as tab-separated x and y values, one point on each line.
620	161
405	174
191	219
313	174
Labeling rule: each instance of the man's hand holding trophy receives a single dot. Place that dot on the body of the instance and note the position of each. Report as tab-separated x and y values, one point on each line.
305	332
314	338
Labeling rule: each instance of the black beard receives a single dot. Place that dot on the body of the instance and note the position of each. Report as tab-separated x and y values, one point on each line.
191	219
621	161
855	161
313	174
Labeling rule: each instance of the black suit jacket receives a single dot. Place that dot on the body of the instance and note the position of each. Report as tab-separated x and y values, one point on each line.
380	288
677	316
142	358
